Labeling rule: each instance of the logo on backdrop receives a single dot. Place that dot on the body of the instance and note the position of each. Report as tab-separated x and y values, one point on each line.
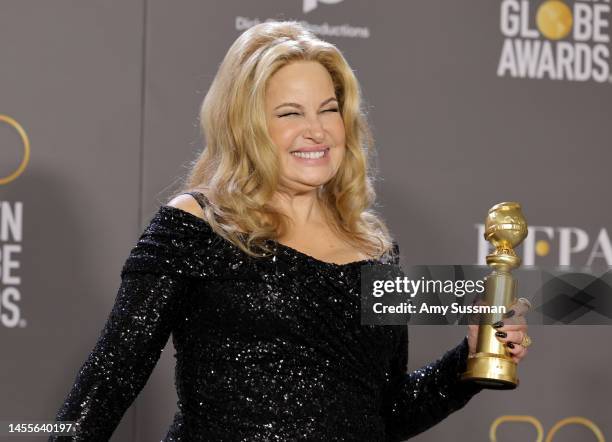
11	236
25	141
537	425
323	29
309	5
555	40
558	246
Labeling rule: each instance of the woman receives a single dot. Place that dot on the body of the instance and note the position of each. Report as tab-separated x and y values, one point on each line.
255	270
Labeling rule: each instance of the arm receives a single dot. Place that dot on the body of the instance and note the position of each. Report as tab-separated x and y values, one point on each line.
414	402
146	305
417	401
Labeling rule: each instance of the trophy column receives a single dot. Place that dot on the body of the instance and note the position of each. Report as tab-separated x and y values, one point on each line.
492	365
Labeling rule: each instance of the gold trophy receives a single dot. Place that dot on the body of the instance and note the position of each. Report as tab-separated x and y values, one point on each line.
492	365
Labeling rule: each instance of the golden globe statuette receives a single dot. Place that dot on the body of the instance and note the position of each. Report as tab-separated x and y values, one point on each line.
492	365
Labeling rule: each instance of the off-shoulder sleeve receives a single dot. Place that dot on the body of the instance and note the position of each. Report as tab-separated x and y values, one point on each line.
416	401
154	279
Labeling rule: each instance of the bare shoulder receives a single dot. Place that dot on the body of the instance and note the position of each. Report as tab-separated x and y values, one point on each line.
187	203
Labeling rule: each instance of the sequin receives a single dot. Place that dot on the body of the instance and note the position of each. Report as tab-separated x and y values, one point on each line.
267	349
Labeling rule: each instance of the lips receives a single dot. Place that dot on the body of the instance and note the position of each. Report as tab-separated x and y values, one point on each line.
317	157
319	148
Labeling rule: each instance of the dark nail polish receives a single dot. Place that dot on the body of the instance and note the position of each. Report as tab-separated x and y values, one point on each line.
509	314
498	324
501	334
510	344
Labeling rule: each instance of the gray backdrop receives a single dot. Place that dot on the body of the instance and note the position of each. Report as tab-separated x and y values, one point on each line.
469	105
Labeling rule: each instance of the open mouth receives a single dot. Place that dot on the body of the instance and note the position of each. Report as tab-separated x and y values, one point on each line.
315	155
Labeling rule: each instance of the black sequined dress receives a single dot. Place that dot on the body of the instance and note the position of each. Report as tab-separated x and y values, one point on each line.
267	349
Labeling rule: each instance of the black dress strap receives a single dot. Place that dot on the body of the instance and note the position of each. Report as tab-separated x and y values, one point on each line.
200	198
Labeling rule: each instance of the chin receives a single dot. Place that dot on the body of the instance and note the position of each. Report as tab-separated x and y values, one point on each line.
315	182
305	185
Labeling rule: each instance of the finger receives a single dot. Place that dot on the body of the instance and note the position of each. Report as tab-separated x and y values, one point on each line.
511	317
520	354
520	307
515	320
503	326
510	336
516	350
520	320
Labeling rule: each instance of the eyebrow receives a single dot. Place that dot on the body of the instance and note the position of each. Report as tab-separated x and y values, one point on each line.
299	106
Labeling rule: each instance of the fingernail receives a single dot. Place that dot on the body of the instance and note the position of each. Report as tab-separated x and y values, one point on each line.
509	314
498	324
510	344
501	334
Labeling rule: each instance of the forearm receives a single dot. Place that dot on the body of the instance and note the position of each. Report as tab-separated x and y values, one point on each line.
421	399
125	354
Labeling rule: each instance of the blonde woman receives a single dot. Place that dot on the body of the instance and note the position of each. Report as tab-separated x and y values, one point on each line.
254	267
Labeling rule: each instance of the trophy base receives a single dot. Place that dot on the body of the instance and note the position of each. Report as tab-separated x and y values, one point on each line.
491	371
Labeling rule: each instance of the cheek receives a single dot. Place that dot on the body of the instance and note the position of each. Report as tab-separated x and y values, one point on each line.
338	156
340	141
338	131
283	134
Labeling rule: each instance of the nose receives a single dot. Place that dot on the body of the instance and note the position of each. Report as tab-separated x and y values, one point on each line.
314	130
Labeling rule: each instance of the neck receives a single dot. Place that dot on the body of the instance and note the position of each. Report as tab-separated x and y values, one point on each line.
303	208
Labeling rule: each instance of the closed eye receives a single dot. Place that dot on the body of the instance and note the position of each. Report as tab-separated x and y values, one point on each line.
295	113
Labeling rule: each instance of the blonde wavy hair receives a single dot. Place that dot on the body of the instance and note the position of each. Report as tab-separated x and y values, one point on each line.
238	170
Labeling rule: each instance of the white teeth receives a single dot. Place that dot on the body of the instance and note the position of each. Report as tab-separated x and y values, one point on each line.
311	155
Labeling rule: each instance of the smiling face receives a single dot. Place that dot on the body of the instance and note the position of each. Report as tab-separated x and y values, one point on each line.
305	124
